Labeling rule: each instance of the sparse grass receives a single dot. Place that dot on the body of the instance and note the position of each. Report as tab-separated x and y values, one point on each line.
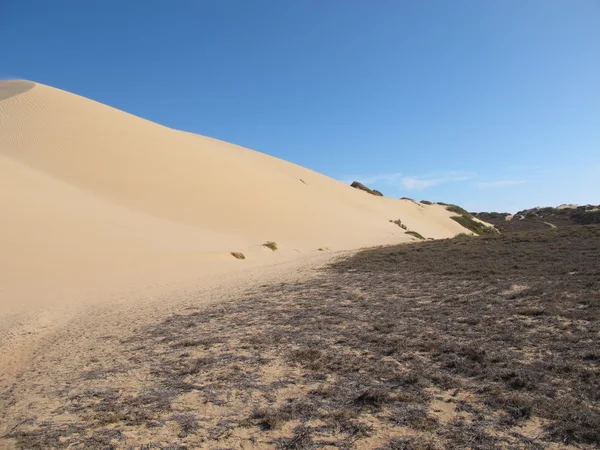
426	202
415	234
238	255
501	329
408	198
271	245
473	225
399	223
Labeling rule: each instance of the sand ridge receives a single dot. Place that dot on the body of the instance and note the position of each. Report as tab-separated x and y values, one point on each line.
10	88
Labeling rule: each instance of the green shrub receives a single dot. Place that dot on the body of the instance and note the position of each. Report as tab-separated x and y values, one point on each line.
415	234
472	225
270	244
426	202
442	203
463	235
458	210
238	255
408	198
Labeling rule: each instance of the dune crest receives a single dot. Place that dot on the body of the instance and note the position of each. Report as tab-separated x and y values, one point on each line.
95	200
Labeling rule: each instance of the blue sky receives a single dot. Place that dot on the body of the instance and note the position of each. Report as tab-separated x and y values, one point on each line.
493	105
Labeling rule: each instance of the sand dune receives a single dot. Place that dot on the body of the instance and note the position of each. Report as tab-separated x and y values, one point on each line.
95	200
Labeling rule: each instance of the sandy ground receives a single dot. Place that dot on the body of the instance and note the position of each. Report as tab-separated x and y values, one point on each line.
53	344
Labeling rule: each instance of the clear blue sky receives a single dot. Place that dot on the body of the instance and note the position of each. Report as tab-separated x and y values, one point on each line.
494	105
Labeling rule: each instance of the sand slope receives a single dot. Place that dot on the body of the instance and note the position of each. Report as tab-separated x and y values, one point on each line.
95	200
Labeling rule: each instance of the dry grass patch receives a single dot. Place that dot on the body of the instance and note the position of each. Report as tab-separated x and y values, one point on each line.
399	223
271	245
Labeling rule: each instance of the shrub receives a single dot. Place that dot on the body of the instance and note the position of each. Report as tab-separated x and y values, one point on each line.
586	218
399	223
415	234
409	199
458	210
470	224
238	255
426	202
270	244
463	235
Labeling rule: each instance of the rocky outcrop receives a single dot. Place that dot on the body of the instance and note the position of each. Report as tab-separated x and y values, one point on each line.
362	187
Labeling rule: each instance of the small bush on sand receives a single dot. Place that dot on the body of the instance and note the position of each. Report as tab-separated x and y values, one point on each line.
399	223
409	199
321	249
270	244
426	202
238	255
441	203
415	234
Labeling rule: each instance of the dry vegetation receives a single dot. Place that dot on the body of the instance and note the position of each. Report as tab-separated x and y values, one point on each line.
271	245
481	343
399	223
542	218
